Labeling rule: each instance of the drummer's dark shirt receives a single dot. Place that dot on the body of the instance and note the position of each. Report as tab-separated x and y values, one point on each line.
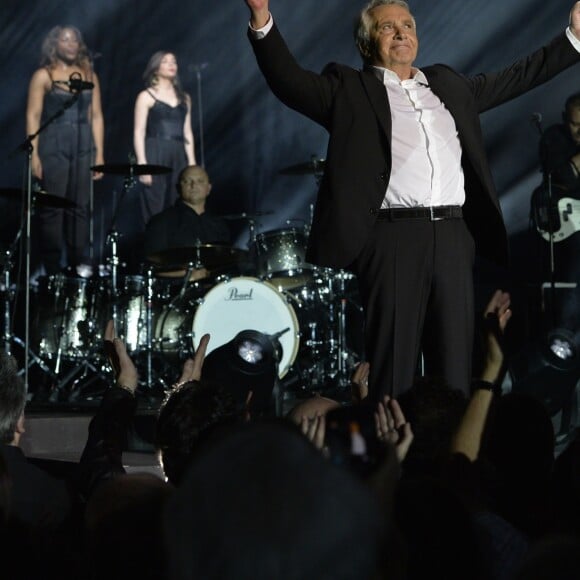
180	226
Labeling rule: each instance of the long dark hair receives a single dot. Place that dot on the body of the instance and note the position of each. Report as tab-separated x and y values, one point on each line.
48	52
150	74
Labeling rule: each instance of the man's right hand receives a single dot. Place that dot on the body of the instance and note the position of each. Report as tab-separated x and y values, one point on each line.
260	13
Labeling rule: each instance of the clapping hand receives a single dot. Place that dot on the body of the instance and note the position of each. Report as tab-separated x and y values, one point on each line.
126	375
392	427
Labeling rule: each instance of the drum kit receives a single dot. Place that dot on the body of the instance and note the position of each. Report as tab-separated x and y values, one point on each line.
162	313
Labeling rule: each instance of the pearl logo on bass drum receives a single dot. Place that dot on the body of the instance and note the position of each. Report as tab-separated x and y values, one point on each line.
235	294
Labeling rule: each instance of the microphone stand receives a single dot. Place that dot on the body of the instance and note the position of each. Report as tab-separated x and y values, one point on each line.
537	122
552	258
28	147
198	68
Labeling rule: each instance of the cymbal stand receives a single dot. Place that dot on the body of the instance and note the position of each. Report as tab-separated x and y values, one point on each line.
337	353
342	353
112	240
251	231
149	327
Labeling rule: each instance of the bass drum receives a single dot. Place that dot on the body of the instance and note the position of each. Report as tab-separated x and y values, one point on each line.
173	327
228	308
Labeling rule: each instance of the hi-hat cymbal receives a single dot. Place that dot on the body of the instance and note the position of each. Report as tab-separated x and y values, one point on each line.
312	167
39	198
246	215
131	169
209	256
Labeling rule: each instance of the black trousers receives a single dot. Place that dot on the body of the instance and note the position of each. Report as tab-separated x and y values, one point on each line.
416	284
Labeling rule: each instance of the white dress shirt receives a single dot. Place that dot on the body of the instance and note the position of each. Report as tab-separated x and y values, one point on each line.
425	149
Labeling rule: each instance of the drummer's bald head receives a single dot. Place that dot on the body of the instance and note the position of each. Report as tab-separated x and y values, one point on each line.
191	170
194	186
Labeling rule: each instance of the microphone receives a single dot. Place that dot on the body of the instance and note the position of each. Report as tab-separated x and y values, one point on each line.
197	67
76	84
278	334
536	120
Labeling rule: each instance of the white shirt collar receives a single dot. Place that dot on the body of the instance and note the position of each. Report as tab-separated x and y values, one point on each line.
386	75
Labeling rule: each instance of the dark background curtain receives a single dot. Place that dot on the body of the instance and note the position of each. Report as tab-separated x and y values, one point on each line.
248	135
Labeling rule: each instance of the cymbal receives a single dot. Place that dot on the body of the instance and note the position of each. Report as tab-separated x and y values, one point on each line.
131	169
209	256
312	167
39	198
246	215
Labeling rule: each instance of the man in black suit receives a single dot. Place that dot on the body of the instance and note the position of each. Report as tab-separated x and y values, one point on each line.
407	195
36	498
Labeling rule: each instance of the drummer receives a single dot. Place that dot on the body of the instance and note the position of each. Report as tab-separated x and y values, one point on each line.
187	223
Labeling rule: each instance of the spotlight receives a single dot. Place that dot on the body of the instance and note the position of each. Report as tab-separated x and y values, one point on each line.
249	362
561	350
549	370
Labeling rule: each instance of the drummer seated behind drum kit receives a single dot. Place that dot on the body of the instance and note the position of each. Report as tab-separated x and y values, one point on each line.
187	292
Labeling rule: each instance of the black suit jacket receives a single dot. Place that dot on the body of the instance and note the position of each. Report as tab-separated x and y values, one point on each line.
353	106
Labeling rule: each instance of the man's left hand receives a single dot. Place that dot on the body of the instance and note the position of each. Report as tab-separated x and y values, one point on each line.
575	20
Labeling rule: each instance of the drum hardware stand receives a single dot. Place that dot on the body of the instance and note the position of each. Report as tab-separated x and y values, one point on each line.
113	238
27	146
85	365
552	258
31	357
75	391
149	328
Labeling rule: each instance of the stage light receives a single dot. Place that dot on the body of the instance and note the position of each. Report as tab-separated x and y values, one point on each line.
561	349
548	369
248	362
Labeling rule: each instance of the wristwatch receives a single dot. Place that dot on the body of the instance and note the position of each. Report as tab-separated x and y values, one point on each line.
486	386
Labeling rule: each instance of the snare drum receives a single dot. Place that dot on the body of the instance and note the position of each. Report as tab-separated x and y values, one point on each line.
68	316
281	258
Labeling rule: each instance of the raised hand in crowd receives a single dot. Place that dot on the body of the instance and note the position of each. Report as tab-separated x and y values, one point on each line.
314	429
192	366
126	375
467	439
392	427
360	382
496	316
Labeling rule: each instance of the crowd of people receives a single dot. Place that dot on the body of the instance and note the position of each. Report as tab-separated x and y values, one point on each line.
433	483
443	476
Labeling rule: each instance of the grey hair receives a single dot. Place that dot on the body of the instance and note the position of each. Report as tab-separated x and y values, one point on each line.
362	28
12	397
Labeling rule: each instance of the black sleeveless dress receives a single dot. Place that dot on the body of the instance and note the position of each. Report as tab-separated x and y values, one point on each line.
164	145
65	150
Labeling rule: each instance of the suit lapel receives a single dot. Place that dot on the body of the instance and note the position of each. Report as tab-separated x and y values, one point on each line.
377	94
449	95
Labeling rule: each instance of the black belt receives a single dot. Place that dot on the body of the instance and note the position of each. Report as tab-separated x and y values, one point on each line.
167	138
432	213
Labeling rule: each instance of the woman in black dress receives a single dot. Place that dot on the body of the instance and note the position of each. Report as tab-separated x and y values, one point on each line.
64	152
162	133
